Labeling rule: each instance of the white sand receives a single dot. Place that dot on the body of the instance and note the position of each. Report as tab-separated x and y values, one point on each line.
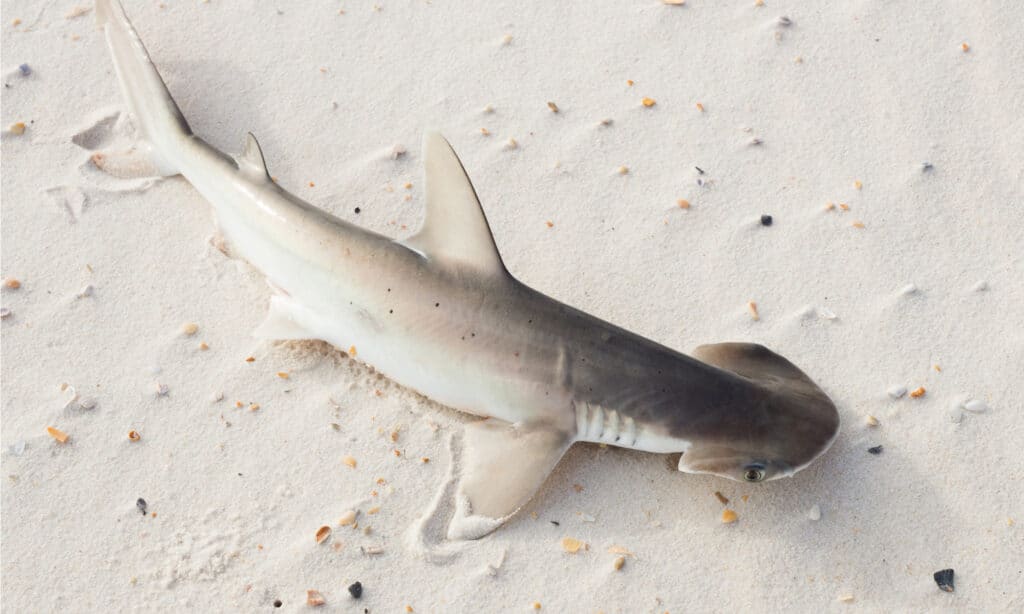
238	495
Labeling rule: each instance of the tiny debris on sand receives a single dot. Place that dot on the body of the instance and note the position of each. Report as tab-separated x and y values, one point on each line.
729	517
648	102
17	128
721	498
845	599
826	314
189	328
134	436
976	406
314	599
944	579
618	563
141	505
77	11
356	590
815	512
348	518
752	307
876	450
683	203
350	461
57	434
870	420
622	170
12	284
572	545
553	107
917	393
896	392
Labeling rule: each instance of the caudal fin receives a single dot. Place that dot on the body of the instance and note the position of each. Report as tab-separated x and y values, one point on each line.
159	122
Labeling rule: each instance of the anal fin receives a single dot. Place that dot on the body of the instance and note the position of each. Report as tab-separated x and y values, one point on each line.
502	466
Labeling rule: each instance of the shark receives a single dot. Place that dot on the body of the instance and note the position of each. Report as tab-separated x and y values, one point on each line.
439	313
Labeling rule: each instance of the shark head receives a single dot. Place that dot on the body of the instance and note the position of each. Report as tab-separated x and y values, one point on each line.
782	423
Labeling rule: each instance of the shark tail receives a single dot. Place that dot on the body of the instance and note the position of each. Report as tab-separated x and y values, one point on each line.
163	131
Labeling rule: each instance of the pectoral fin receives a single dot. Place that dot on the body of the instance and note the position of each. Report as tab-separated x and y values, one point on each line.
502	466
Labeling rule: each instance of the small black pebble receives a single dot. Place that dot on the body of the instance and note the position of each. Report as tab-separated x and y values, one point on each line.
944	579
766	220
141	504
556	523
358	209
277	603
699	170
356	590
875	450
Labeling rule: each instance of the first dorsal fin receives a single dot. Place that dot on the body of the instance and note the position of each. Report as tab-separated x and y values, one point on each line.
251	159
455	229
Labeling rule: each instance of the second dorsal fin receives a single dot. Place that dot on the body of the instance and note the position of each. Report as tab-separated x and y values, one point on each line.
251	159
455	229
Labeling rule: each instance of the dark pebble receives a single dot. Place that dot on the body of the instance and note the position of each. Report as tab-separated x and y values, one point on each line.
766	220
944	579
356	590
25	70
277	603
358	209
875	450
555	522
141	504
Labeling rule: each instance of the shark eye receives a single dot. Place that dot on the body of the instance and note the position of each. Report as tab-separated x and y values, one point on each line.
753	473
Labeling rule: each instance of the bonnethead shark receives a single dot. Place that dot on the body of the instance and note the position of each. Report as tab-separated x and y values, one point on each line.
439	313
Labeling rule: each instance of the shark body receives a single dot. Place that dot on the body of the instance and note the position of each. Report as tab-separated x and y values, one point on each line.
439	313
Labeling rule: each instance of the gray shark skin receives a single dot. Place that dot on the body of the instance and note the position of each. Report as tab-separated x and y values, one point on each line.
438	312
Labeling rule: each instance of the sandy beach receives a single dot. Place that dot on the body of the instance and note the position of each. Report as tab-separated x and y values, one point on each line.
627	155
